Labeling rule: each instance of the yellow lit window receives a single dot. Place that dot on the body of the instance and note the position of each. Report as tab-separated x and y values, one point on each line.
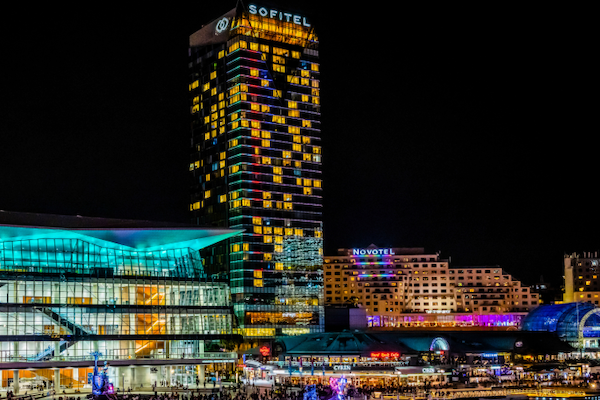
307	182
258	283
258	229
267	230
278	231
278	239
213	75
279	266
293	129
255	124
307	190
276	93
267	239
277	170
296	139
305	73
253	72
254	133
288	206
279	119
317	183
297	147
279	204
286	154
294	113
258	273
236	204
305	98
194	85
265	143
246	203
253	46
295	54
264	48
222	198
265	134
278	248
265	108
257	220
306	123
305	140
206	86
267	256
267	204
264	82
266	195
235	248
292	104
266	160
298	232
207	194
278	68
233	143
277	179
314	67
287	197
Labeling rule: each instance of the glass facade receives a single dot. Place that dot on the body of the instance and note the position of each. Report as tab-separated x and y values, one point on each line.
564	320
65	293
256	164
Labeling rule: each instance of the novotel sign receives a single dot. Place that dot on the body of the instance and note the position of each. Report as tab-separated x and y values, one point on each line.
273	13
373	252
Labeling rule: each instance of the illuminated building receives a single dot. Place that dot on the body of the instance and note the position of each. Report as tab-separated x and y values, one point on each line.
402	287
133	290
581	273
256	164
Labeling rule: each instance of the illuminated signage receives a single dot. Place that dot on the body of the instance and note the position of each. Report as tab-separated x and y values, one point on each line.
373	252
429	370
222	24
381	354
341	368
273	13
265	351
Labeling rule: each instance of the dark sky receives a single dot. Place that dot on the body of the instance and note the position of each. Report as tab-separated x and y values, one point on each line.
470	131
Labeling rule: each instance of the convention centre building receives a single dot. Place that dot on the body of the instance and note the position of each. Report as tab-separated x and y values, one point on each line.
133	291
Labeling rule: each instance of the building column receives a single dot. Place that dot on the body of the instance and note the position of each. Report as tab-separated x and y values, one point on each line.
16	381
57	380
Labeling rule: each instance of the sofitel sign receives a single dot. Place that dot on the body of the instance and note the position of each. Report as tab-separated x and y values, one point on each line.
373	252
272	13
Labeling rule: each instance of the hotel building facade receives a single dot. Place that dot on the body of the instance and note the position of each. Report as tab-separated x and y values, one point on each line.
407	287
134	291
256	164
581	272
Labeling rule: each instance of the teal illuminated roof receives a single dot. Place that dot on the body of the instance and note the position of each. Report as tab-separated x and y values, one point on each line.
109	232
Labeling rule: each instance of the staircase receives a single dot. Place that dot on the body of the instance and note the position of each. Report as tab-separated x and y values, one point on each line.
75	329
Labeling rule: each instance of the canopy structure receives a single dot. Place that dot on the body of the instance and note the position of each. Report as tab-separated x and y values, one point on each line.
569	321
358	343
112	233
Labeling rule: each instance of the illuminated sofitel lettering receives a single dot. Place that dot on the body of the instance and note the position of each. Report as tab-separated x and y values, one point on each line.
373	252
273	13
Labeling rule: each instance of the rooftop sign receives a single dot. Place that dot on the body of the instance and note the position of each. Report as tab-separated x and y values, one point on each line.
373	252
273	13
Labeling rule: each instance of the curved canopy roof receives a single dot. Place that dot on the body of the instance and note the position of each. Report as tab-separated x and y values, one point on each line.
359	343
110	232
562	319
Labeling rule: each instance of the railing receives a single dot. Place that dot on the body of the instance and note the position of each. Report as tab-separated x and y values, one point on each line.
203	356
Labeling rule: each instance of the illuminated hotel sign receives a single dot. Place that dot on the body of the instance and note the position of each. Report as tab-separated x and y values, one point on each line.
273	13
373	252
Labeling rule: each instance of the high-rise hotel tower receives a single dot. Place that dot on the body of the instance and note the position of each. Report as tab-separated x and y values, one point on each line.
256	164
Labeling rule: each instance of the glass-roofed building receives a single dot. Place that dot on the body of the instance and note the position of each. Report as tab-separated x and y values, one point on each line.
135	291
576	323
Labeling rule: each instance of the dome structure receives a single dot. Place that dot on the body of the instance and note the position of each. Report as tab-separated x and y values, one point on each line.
569	321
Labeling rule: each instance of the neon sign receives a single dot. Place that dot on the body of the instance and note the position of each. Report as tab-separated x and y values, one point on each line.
385	355
265	351
373	252
273	13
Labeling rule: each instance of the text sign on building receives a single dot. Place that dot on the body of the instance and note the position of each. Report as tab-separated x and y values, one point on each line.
273	13
342	367
373	252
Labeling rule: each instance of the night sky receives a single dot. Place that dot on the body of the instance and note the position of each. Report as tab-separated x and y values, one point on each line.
469	131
